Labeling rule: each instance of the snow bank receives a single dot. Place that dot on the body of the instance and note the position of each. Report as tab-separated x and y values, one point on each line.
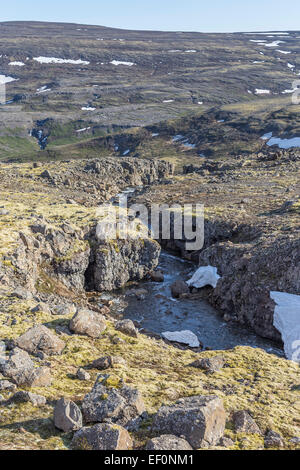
183	337
287	322
204	276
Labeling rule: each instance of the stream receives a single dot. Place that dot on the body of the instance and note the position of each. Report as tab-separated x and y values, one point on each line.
157	312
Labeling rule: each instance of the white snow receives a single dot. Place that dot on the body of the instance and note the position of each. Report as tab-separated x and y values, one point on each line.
258	40
155	134
56	60
284	143
258	91
84	129
283	52
4	79
168	101
88	108
18	64
191	50
284	92
267	136
273	44
287	322
290	66
177	138
204	276
183	337
200	102
120	62
126	152
43	89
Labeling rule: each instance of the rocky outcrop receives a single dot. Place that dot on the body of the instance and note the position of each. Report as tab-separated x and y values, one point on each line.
113	264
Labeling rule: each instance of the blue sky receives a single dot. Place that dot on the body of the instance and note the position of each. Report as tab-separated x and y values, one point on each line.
171	15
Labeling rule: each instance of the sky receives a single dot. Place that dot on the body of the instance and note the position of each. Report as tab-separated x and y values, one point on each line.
166	15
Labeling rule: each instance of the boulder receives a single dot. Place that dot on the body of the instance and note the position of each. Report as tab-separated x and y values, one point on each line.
127	327
122	406
243	422
83	375
226	442
210	364
199	419
107	362
157	276
89	323
24	397
7	386
40	339
67	416
179	288
103	436
273	439
168	442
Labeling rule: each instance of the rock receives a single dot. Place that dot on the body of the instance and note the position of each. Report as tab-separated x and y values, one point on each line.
127	327
89	323
5	385
67	416
295	441
184	337
179	288
102	437
22	293
226	442
243	422
41	307
157	276
64	309
16	365
83	375
38	377
168	442
46	175
122	406
273	439
107	362
40	339
210	364
199	419
24	397
204	276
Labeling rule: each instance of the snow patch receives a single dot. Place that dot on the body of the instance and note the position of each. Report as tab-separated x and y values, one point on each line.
4	79
120	62
273	44
283	52
17	64
204	276
183	337
88	108
287	322
258	91
56	60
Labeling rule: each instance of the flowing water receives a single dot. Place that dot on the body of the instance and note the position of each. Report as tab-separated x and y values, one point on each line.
158	312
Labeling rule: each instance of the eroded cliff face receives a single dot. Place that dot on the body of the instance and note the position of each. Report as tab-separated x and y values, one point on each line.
58	239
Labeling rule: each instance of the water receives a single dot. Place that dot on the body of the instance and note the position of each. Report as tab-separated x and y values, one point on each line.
293	142
158	312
